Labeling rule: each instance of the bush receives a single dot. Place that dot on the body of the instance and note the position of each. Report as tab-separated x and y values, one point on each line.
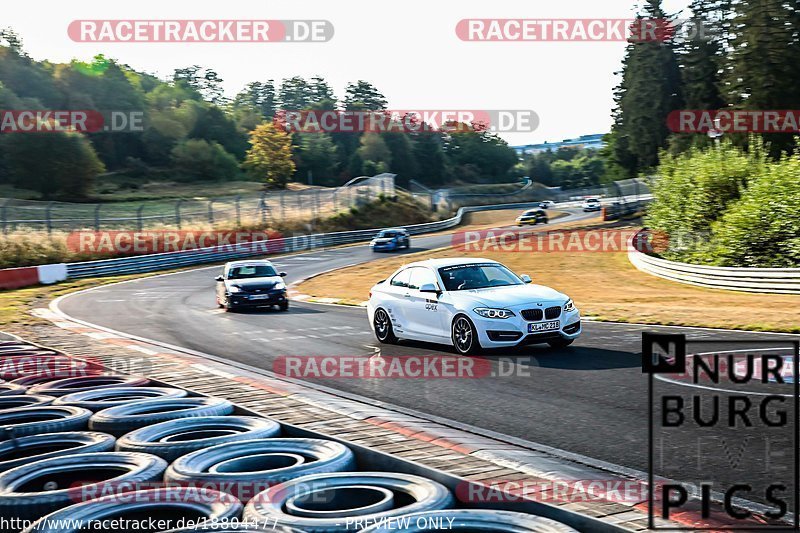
204	160
693	190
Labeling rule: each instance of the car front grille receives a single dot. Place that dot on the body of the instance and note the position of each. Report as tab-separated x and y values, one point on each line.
532	315
552	312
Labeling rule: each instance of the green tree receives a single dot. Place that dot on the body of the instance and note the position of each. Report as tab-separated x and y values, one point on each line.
67	172
648	92
363	96
429	156
316	153
270	156
204	160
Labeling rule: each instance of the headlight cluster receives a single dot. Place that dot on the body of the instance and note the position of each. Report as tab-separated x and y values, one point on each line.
569	306
234	288
488	312
279	286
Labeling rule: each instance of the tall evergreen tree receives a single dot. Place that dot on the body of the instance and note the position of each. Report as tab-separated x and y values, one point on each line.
648	92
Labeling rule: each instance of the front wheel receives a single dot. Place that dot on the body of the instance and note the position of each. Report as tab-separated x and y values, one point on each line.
560	343
284	306
383	327
464	336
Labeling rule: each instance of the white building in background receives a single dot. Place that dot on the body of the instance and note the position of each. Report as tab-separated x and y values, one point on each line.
593	141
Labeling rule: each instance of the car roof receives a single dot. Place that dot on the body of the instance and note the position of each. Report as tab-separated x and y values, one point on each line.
449	261
393	229
252	262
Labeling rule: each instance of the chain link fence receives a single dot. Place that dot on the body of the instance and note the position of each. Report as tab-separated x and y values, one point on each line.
232	211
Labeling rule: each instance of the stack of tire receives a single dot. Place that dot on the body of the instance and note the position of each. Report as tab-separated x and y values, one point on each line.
100	448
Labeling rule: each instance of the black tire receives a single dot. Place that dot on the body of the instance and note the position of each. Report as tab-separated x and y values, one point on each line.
24	450
50	364
122	419
242	465
284	306
24	400
37	379
31	491
560	342
382	324
476	520
25	421
175	438
61	387
413	494
12	389
464	336
95	400
173	503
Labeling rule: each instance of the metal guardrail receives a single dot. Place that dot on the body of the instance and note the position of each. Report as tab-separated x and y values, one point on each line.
765	280
169	260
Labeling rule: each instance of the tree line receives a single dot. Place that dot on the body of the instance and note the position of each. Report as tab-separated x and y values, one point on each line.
191	131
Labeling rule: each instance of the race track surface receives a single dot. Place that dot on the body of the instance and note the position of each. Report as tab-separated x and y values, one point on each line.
590	398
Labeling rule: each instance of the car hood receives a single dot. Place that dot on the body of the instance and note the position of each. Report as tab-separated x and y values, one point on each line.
250	284
382	240
510	296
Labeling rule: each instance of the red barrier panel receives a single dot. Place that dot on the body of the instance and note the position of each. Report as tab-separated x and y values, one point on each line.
14	278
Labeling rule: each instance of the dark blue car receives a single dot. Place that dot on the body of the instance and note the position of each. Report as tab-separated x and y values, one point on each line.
389	240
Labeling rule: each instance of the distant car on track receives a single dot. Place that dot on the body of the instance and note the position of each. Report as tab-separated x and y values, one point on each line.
547	204
249	284
470	304
591	204
532	217
390	239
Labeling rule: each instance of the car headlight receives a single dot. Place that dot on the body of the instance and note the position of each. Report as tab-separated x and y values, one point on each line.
488	312
569	306
279	286
234	288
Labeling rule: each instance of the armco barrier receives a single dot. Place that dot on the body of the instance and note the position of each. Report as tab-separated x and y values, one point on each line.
768	280
15	278
165	261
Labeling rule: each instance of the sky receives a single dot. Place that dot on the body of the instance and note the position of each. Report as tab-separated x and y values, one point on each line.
408	49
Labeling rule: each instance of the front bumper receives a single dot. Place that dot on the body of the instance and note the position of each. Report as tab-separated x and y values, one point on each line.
496	333
383	247
257	300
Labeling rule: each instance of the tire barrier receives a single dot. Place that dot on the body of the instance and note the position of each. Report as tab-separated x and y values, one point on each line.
470	520
20	365
37	379
24	450
326	502
122	419
168	503
25	421
247	466
12	389
95	400
12	401
175	438
61	387
36	489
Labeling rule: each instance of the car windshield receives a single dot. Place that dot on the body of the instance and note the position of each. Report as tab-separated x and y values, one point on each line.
384	234
529	213
251	271
477	276
592	200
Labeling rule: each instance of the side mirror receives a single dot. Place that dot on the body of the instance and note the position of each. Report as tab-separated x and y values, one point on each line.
525	278
282	274
219	278
429	287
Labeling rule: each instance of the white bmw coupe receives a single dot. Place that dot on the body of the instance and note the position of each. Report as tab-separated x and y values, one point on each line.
470	304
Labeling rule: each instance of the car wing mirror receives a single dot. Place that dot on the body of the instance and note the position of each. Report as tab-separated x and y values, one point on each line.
282	274
429	287
525	278
219	278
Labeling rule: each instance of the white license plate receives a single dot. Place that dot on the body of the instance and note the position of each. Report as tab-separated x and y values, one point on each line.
544	326
259	297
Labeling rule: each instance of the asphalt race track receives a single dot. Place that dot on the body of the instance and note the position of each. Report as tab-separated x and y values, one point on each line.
590	398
